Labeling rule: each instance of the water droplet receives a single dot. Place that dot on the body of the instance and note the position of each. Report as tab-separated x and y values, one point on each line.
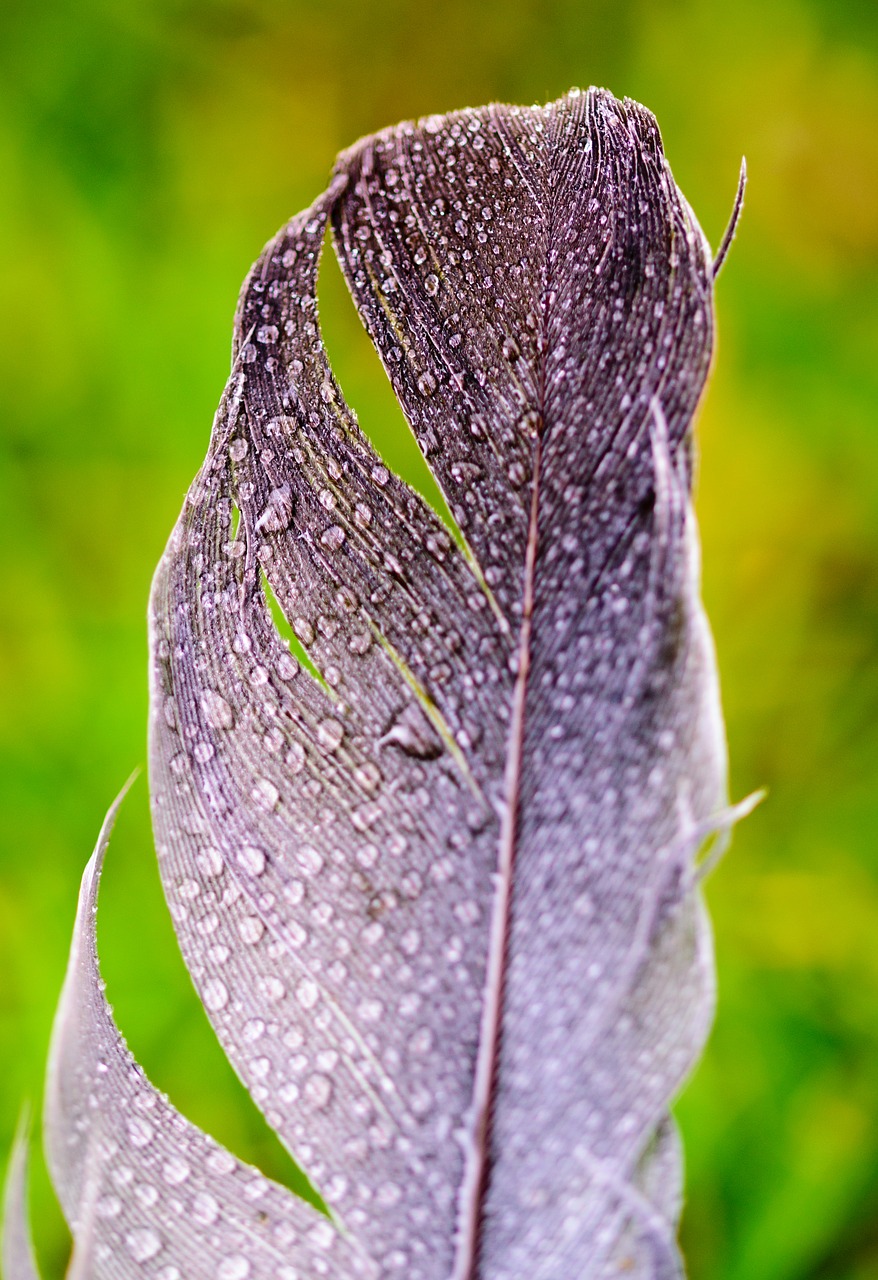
188	890
267	333
265	794
140	1132
209	862
468	912
215	995
333	537
327	499
427	384
252	860
360	643
278	510
307	993
411	884
370	1010
388	1195
146	1194
287	667
251	930
143	1243
238	449
431	284
362	515
410	942
421	1042
235	1267
221	1161
583	905
217	711
318	1091
304	630
309	860
365	815
273	989
175	1171
368	776
205	1209
531	423
330	734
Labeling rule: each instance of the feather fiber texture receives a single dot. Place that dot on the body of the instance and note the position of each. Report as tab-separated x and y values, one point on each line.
436	886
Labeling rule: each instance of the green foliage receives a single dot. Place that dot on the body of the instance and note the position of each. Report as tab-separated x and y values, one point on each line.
144	150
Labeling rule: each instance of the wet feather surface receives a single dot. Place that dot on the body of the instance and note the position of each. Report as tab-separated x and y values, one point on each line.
440	902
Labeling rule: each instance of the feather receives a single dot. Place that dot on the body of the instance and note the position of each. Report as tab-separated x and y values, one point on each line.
436	882
143	1190
19	1262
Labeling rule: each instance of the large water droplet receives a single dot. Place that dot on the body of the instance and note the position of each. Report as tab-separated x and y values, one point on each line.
215	995
235	1267
318	1091
330	734
251	859
217	711
140	1132
278	510
205	1209
143	1243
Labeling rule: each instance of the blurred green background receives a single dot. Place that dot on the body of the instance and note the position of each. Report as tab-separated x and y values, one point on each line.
147	150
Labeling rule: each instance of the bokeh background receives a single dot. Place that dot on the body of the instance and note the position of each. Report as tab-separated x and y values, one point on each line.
148	148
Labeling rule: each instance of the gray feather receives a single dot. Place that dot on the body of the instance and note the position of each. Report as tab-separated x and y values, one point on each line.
442	902
144	1192
19	1262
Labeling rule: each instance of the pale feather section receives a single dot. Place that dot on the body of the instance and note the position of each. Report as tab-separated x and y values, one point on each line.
146	1193
19	1260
